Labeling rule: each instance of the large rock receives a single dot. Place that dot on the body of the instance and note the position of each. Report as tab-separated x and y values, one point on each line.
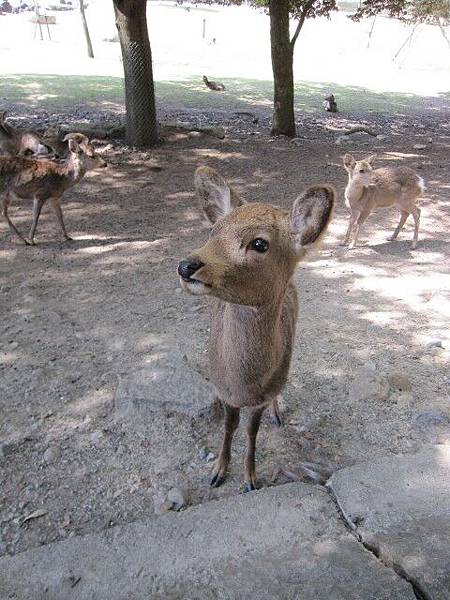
400	507
286	542
169	384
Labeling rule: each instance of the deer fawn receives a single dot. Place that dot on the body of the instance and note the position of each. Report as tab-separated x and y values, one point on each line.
247	268
16	142
43	179
369	188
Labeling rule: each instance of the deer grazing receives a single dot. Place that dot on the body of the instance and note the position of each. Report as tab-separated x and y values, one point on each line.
247	269
14	142
370	188
213	85
43	179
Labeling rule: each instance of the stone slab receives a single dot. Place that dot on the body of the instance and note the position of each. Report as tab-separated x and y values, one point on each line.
400	507
168	384
287	543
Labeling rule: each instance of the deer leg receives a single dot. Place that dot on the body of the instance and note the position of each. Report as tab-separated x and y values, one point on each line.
351	223
254	420
275	413
402	221
5	204
416	216
362	217
220	468
37	207
57	208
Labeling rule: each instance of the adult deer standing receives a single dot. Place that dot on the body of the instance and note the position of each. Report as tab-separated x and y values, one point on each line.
247	267
369	188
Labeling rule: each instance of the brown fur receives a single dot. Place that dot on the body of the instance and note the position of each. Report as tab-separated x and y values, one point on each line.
43	179
370	188
254	300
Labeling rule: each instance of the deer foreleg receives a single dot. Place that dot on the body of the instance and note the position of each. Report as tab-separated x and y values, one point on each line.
254	420
231	424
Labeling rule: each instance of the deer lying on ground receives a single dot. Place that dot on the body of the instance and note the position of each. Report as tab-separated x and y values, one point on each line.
247	267
15	142
213	85
43	179
369	188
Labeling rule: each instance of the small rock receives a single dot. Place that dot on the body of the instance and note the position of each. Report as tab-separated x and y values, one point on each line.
194	134
161	504
420	146
51	455
96	437
7	448
178	498
399	382
430	140
13	345
203	453
430	418
211	456
380	136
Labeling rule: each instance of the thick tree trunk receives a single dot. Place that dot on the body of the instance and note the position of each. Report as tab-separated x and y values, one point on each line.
282	65
131	21
86	30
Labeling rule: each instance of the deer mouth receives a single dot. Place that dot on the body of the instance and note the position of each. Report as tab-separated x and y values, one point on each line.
194	286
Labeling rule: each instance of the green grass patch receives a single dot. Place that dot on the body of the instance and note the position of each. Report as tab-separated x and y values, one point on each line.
64	91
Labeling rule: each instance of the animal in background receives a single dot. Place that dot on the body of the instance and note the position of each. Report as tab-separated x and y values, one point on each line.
14	142
214	85
42	179
330	104
369	188
246	268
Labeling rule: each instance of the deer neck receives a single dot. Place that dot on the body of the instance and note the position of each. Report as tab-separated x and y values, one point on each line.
75	170
354	190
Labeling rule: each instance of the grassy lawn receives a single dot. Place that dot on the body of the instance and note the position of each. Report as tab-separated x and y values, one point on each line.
57	91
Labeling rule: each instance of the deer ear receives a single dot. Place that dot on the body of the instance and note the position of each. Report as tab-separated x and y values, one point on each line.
216	197
311	214
349	161
371	159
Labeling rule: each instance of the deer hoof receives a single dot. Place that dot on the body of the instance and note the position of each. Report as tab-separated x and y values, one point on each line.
216	480
249	487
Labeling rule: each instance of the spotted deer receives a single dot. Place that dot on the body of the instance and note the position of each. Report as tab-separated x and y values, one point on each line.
15	142
42	179
370	188
247	268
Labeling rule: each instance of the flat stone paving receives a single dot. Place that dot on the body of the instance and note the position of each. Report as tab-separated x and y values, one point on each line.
400	507
288	542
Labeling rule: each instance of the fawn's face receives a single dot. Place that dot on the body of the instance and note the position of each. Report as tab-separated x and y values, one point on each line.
253	249
86	155
359	170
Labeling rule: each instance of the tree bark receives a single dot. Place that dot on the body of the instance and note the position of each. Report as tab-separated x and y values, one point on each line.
131	21
282	64
86	30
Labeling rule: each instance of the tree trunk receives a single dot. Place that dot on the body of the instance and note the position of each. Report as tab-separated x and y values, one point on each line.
131	21
282	65
86	30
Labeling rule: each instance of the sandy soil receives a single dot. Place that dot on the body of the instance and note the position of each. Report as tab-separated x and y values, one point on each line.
370	370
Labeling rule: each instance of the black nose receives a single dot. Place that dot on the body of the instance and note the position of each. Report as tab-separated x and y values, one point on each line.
187	268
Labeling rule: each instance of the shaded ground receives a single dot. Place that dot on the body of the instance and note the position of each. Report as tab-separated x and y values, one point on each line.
78	317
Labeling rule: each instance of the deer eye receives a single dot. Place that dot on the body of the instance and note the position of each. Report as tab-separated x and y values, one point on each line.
259	245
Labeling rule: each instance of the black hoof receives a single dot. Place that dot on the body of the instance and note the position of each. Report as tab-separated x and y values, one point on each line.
276	420
216	480
249	487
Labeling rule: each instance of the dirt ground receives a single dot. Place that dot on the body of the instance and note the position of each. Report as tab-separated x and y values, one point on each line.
370	372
